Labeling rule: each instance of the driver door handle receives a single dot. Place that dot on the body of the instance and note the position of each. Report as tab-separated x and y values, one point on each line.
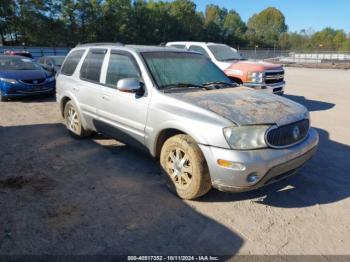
105	97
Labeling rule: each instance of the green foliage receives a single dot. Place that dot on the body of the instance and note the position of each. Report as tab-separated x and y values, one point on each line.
327	39
221	25
68	22
266	27
7	18
234	29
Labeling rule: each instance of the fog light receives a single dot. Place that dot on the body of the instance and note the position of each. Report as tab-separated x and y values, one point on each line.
231	165
252	178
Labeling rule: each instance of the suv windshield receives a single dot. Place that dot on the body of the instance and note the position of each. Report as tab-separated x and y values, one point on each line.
183	69
57	60
17	63
224	53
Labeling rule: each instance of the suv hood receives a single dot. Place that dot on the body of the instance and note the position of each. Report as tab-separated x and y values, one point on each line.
24	74
252	66
244	106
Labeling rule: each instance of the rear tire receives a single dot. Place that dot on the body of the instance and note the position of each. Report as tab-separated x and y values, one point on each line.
73	121
184	167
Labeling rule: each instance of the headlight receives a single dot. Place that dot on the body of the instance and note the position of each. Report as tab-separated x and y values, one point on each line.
255	77
50	79
9	81
246	137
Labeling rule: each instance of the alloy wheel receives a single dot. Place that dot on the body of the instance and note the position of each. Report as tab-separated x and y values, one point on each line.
73	123
179	167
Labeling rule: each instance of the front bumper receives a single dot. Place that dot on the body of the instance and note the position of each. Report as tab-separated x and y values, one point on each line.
277	88
270	165
28	90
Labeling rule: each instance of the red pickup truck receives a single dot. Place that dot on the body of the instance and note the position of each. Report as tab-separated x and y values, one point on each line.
255	74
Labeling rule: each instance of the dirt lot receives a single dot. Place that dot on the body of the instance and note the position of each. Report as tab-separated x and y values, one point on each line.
96	196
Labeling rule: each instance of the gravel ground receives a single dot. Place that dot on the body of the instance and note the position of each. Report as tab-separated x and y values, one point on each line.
97	196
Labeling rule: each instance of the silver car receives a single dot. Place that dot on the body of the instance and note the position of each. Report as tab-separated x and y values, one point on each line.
181	108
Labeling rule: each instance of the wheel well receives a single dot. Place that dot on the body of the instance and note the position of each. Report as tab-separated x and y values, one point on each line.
237	80
63	104
163	136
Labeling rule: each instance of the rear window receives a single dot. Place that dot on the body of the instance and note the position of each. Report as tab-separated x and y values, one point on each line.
57	60
91	68
198	49
179	46
71	62
41	60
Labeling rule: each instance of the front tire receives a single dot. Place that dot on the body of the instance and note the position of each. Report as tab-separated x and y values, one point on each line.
52	94
3	98
184	167
73	121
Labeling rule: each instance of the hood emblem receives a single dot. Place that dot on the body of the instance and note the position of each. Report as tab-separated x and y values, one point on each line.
35	81
296	132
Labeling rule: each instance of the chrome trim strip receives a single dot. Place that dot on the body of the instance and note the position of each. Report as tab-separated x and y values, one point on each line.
274	71
275	85
272	77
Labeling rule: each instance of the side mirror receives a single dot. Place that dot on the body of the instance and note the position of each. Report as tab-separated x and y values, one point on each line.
48	67
130	85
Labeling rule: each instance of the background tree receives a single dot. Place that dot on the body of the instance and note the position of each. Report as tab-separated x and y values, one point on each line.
115	25
266	27
234	29
7	19
323	39
189	23
214	22
340	40
68	22
68	16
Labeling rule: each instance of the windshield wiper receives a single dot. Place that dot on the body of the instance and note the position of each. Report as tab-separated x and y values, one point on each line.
219	83
232	58
180	85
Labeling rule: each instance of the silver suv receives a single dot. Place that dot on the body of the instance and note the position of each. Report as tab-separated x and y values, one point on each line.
182	109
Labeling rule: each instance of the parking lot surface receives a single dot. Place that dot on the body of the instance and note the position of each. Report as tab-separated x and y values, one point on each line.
97	196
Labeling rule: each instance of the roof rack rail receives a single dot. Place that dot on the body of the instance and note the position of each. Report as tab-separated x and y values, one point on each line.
101	44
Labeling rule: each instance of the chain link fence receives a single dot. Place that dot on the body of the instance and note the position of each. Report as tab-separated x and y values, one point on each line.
298	57
287	57
38	51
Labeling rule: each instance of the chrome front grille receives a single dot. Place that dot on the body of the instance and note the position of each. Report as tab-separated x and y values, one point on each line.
272	77
288	135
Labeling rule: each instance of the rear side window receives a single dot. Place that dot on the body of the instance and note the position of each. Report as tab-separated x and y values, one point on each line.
179	46
71	62
198	49
41	60
48	61
91	67
121	66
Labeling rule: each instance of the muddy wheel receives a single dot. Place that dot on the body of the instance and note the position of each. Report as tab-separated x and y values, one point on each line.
184	167
73	121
